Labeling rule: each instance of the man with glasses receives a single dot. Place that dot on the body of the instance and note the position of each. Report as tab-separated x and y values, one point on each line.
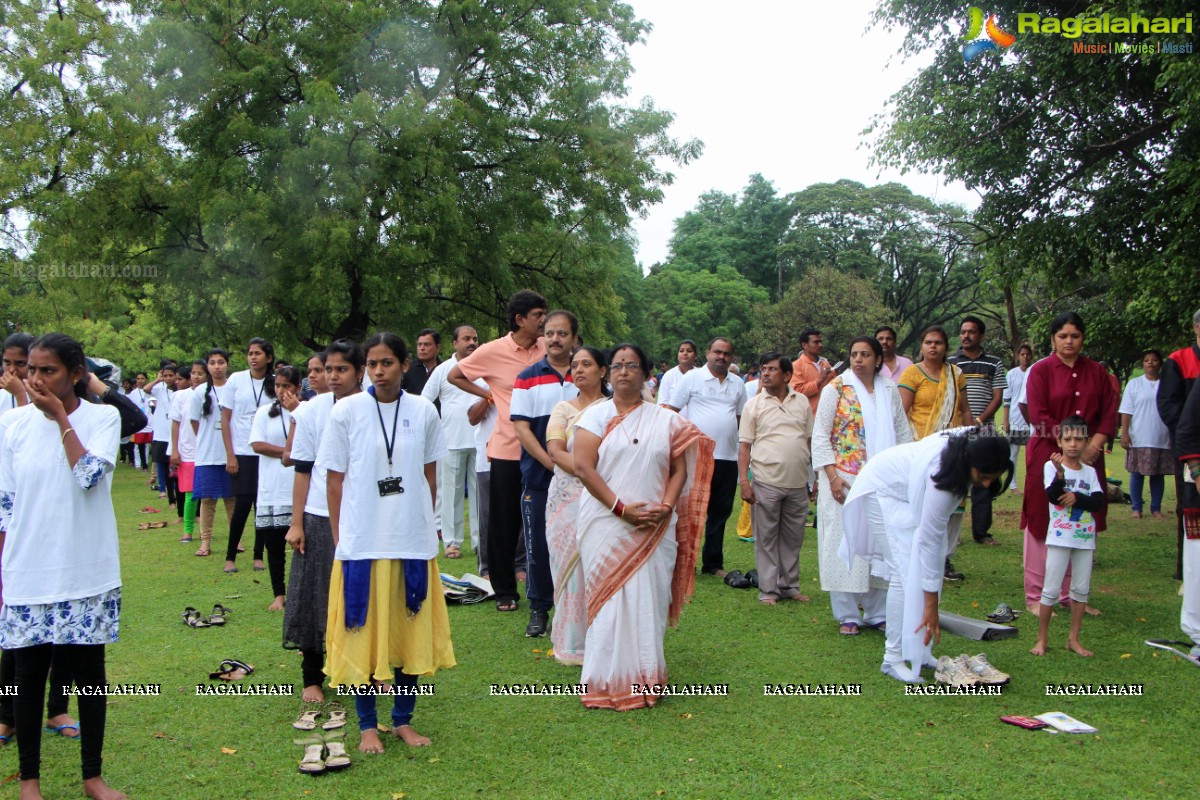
714	400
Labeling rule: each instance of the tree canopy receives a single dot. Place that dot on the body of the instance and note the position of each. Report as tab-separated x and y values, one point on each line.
1086	164
309	170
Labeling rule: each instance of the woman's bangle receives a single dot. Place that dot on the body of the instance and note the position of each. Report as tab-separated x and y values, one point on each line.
619	509
616	500
63	440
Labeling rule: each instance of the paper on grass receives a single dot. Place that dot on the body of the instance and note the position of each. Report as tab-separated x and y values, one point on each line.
1065	723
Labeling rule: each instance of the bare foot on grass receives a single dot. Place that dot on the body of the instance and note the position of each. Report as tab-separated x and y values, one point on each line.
1079	649
410	737
767	601
369	741
1033	609
1038	649
277	605
1092	612
312	694
97	789
31	790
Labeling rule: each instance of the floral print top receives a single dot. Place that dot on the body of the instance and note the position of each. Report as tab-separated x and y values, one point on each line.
848	435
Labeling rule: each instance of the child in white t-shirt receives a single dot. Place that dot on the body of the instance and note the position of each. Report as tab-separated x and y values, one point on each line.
1074	489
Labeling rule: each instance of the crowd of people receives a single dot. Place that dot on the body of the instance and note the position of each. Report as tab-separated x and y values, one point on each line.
600	483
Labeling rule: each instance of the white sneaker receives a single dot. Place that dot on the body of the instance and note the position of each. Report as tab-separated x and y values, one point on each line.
955	672
987	674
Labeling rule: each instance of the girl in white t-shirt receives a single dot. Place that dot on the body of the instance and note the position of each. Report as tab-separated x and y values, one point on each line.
1074	491
183	444
387	614
305	613
61	571
273	501
211	482
245	393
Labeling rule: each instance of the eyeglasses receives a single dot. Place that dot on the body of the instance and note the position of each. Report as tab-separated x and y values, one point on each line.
628	366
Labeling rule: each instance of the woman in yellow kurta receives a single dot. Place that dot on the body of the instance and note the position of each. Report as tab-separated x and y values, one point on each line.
387	615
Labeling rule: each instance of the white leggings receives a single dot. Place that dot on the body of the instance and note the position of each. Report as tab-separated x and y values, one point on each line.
1056	568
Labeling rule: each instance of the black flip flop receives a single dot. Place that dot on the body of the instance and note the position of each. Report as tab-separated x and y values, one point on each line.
230	666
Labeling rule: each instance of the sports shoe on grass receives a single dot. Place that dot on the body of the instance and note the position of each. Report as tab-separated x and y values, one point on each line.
954	672
987	674
951	574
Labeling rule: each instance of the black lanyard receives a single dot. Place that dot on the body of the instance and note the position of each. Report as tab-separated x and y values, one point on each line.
258	395
283	424
390	445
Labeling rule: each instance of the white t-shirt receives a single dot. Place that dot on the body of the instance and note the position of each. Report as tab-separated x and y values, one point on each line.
670	380
714	406
751	389
7	402
142	401
274	479
311	417
243	395
62	540
210	447
397	525
160	421
1072	527
179	413
483	432
455	403
1140	401
1012	396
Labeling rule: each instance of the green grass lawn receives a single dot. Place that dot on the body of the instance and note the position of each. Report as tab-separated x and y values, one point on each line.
880	745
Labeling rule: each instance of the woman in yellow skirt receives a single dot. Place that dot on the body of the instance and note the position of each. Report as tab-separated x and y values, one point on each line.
387	615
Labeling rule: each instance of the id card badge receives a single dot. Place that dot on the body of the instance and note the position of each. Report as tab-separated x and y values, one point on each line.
389	486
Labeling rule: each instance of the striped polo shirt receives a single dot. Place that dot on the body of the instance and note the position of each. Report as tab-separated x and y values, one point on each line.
984	375
537	390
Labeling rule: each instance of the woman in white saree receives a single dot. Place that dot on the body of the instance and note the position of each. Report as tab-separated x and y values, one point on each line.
589	369
859	416
647	472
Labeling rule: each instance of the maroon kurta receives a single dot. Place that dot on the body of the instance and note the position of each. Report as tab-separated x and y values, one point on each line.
1053	392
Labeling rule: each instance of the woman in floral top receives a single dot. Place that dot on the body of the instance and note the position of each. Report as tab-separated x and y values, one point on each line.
859	415
61	570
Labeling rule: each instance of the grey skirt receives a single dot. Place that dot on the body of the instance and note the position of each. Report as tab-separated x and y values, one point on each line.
1150	461
307	600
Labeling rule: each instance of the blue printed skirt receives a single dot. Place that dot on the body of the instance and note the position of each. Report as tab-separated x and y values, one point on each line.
92	620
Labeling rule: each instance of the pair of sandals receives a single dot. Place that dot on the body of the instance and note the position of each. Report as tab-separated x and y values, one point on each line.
852	628
737	580
323	752
195	619
307	720
149	526
1003	614
453	551
232	670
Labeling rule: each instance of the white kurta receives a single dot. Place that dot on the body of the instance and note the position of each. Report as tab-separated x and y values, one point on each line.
835	577
915	519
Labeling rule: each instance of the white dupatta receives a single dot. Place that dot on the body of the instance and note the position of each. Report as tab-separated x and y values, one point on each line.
876	410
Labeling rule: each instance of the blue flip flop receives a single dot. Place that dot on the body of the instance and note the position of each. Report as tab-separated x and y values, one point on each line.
59	730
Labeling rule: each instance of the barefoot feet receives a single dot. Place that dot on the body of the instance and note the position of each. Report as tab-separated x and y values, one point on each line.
97	789
1039	649
369	741
410	737
1075	647
277	605
312	694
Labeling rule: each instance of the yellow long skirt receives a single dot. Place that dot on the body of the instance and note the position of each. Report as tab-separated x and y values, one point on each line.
390	639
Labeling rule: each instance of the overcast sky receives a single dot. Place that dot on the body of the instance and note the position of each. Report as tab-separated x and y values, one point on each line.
780	87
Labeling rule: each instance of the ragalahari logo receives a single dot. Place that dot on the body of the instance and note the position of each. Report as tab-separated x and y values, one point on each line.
997	38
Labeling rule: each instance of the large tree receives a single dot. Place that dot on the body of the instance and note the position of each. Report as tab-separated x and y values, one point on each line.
314	170
919	253
1086	163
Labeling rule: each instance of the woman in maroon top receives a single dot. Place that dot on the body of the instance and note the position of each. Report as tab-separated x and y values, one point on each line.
1064	383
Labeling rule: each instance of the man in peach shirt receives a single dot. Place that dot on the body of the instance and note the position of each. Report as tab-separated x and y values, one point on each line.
498	363
812	371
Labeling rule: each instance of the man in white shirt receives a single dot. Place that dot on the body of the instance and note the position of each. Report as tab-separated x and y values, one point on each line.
458	468
1016	427
714	400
